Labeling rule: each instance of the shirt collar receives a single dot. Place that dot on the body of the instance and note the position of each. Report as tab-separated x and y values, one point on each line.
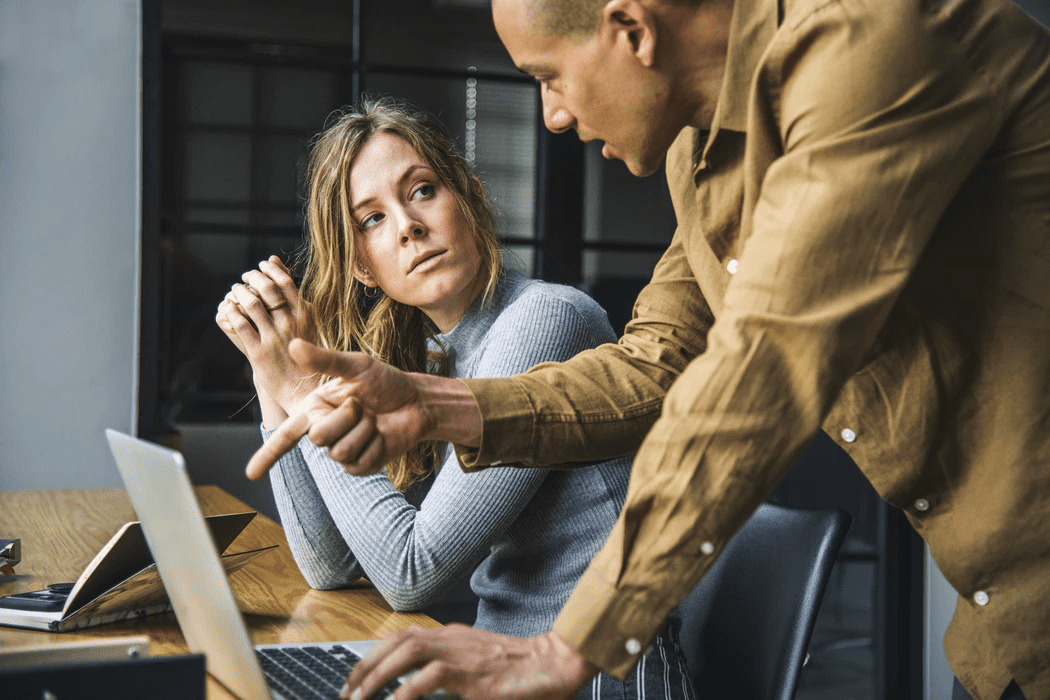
751	29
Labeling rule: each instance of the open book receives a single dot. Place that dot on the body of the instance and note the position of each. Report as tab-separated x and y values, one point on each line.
121	582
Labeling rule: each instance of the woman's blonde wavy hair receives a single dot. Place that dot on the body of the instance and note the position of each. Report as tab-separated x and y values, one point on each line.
385	329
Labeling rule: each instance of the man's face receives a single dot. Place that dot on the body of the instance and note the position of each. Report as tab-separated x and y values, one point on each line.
596	86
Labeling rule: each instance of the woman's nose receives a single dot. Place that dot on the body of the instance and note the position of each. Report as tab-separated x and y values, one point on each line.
412	228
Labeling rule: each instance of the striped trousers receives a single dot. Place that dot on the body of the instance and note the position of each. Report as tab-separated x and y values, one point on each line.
660	675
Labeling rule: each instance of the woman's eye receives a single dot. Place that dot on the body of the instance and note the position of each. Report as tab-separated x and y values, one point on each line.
423	191
370	221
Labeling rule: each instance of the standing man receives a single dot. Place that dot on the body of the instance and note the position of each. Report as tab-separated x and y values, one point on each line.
863	196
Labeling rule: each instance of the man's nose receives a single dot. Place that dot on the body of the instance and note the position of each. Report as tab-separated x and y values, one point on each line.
555	116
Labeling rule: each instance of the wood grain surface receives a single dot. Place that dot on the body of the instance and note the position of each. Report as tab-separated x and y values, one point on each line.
62	530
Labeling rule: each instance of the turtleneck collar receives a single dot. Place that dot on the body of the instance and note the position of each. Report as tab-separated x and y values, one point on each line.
467	335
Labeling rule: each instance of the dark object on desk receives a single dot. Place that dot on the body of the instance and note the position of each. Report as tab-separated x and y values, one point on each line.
157	678
52	599
747	623
10	554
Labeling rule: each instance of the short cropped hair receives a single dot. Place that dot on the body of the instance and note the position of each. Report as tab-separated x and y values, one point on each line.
575	18
571	18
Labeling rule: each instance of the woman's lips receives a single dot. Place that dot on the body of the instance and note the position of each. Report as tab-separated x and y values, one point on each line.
425	258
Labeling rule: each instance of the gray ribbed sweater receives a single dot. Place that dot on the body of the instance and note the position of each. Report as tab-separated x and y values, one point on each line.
533	530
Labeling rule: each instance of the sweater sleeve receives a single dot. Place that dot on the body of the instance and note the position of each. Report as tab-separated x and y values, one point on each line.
316	544
413	555
318	547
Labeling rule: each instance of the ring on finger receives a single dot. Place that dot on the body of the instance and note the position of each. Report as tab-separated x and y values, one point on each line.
279	305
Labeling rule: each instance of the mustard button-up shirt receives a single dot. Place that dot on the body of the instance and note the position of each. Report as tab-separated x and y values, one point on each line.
863	246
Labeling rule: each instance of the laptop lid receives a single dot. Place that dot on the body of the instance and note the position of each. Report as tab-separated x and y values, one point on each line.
163	498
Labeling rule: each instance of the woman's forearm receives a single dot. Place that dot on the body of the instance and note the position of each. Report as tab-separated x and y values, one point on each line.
272	412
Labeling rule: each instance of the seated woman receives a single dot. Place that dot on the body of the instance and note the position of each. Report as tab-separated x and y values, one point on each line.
396	216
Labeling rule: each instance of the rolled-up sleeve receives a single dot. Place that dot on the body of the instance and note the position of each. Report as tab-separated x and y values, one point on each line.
601	403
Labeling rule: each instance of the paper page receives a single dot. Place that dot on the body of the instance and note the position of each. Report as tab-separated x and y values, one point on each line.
141	594
127	553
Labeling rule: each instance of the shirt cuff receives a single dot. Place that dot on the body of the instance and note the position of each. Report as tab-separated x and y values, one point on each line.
610	627
508	425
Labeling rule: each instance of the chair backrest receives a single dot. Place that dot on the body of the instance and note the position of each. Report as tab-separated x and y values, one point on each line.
746	625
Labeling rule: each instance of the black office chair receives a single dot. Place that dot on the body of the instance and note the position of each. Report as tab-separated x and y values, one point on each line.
747	624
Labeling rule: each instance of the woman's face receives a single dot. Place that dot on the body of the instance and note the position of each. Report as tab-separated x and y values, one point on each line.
413	242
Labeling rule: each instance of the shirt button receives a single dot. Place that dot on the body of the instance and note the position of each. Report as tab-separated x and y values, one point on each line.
633	646
732	266
707	548
980	597
922	505
848	435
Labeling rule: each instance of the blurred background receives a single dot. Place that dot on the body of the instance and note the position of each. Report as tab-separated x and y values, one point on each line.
152	150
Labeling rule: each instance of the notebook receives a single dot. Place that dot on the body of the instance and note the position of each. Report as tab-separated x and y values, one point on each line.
161	493
120	583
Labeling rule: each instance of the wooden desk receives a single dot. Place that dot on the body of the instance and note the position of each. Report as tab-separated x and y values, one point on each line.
61	531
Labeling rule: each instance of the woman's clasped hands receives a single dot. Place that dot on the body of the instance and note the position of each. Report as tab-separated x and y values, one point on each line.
261	316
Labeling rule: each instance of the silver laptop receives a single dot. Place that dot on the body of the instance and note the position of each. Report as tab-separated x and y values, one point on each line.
200	594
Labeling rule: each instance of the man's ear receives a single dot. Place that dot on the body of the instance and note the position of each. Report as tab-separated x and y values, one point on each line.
633	23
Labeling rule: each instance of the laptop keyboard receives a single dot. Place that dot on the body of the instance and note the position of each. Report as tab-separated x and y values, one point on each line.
309	673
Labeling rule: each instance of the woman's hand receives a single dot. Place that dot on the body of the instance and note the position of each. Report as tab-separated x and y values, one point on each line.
261	317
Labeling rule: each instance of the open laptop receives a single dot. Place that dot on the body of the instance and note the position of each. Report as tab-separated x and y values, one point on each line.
161	493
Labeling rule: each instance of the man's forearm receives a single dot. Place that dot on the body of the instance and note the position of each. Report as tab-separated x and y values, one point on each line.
452	414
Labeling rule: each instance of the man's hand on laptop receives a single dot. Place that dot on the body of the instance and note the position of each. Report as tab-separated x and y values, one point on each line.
370	412
471	663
